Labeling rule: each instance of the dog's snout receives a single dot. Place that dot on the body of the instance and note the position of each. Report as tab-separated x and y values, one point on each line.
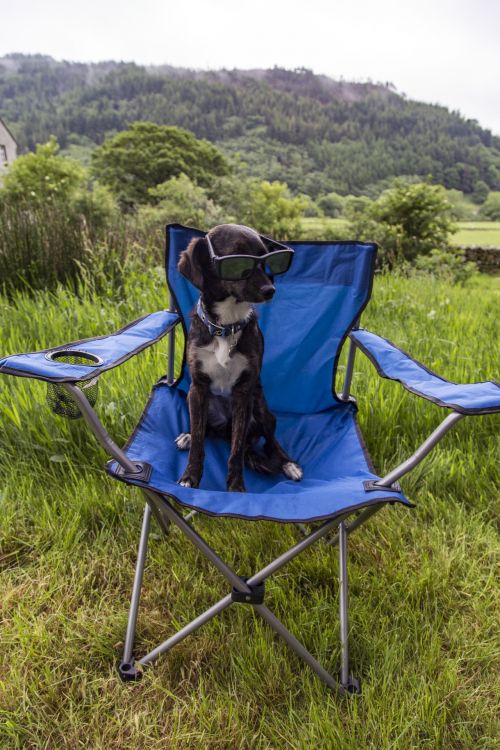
268	290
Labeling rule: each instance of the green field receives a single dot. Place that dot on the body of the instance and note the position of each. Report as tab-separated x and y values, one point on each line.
480	233
424	604
315	227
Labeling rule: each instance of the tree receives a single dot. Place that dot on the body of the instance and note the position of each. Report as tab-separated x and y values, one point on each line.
331	204
407	221
480	192
269	208
181	200
42	177
147	155
491	207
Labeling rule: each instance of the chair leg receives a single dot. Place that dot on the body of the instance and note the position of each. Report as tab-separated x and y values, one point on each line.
350	683
243	589
299	649
126	668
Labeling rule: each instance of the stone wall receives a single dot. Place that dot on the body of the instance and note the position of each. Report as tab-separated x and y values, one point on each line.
487	258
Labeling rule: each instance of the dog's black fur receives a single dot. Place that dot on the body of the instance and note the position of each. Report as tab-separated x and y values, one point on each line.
226	396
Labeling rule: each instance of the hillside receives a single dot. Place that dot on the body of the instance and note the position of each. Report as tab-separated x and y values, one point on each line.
310	131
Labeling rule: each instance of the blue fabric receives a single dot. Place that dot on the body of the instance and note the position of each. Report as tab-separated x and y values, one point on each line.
315	305
393	363
327	444
113	349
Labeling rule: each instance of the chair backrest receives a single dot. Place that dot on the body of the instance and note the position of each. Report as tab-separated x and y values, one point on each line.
315	306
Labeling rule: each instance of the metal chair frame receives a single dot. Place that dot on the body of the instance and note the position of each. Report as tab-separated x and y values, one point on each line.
249	591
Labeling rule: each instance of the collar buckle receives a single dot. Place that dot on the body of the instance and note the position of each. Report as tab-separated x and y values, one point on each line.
216	330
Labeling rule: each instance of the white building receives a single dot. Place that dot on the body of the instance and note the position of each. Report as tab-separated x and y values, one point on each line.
8	146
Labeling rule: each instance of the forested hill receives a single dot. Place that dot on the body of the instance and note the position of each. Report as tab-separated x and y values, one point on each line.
310	131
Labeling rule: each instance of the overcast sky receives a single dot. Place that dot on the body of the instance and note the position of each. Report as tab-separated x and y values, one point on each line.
439	51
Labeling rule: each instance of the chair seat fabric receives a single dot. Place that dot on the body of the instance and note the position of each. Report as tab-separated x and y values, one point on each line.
327	444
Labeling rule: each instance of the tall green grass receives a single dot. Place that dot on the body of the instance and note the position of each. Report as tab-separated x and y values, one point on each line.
39	247
43	247
423	602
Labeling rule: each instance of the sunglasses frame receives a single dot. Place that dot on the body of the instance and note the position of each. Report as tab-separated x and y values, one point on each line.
258	260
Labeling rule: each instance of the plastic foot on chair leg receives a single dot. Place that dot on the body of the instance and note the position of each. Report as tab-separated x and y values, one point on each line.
352	686
128	671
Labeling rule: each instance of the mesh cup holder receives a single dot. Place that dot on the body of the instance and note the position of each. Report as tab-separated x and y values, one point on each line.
58	397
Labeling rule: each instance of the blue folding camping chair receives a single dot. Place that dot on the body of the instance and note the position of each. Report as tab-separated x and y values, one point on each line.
317	305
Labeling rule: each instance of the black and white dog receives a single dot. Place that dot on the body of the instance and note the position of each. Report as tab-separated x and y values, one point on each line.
233	267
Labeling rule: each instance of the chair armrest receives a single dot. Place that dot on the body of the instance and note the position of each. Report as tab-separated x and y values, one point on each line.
393	363
105	352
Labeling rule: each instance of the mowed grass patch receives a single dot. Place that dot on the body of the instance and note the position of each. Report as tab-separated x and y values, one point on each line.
472	233
480	233
324	227
423	603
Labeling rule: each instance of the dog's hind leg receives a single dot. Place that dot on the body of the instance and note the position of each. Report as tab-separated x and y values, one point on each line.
241	404
275	459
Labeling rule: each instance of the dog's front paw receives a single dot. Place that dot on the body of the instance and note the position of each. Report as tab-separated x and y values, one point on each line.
183	441
189	479
235	484
293	471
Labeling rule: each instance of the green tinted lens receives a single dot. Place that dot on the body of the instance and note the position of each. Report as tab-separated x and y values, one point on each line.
279	262
233	269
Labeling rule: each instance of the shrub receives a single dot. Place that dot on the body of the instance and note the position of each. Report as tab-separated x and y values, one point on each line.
447	265
311	209
462	208
406	221
269	208
332	204
491	207
97	206
180	200
42	178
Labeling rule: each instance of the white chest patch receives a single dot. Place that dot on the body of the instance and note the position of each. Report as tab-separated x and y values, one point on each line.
230	311
222	369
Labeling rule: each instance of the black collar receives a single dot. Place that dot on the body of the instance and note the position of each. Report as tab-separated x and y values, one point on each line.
216	330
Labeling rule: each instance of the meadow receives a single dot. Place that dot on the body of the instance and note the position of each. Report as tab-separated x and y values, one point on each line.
423	603
480	233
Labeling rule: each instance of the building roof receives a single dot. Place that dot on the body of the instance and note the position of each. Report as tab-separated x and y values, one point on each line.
8	131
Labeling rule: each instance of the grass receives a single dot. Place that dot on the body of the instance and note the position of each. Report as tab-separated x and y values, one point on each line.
316	227
423	603
480	233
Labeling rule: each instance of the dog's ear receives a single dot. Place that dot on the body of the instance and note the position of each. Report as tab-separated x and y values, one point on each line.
193	260
268	243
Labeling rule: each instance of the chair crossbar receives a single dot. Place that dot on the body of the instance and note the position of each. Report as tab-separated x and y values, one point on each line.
163	507
421	451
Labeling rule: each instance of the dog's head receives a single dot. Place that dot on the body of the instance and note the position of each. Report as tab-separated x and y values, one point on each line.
196	264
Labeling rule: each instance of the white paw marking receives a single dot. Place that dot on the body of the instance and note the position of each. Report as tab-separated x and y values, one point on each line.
183	441
185	483
293	471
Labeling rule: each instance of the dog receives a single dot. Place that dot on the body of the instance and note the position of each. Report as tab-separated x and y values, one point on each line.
224	352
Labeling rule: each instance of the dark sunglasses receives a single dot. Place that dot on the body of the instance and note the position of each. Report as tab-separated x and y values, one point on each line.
239	267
